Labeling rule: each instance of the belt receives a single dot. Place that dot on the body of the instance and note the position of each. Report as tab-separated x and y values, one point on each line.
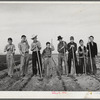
48	57
61	53
36	51
26	52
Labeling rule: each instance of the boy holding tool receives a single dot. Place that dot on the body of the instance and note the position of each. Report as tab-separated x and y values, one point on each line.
82	57
92	54
36	56
24	51
72	48
10	49
62	49
47	56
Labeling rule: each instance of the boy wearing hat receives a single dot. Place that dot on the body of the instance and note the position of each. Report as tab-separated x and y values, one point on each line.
47	54
10	49
36	56
92	54
61	48
72	46
24	51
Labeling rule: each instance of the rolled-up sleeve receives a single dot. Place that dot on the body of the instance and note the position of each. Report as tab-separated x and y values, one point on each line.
33	46
19	46
52	48
39	45
14	48
5	49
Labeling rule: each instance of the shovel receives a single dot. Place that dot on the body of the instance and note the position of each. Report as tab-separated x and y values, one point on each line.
41	78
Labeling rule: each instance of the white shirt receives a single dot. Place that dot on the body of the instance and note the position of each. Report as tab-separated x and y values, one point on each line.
9	49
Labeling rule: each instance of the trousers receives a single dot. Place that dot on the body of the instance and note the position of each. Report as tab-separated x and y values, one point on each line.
70	58
35	62
24	64
82	65
47	68
61	59
10	64
89	69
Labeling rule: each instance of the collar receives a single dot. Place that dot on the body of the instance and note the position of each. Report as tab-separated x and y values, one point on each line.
72	42
91	42
35	41
47	48
9	44
23	42
82	46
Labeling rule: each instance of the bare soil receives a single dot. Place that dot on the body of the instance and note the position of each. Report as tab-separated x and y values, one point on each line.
55	83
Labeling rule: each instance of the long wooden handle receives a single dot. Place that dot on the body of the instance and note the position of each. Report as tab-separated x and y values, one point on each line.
39	63
73	59
84	60
90	57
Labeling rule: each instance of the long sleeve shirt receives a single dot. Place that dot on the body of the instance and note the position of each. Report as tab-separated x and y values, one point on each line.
10	49
62	47
70	48
23	47
47	52
93	49
36	46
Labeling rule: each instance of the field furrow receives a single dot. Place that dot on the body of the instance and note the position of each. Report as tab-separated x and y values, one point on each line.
56	83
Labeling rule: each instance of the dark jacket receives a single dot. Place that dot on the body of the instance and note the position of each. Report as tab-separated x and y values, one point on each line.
70	49
82	51
93	49
60	46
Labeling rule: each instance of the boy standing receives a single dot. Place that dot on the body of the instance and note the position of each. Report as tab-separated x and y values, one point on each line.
36	56
62	49
47	54
24	51
82	57
92	54
10	49
72	48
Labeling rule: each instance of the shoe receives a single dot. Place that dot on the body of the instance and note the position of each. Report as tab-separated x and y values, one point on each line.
59	77
24	75
51	76
34	75
24	78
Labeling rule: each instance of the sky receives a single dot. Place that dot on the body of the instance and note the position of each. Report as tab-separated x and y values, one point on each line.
49	20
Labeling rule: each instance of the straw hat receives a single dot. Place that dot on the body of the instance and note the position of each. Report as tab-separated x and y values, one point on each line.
34	36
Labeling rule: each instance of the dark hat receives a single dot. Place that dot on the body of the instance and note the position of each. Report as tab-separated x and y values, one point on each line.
59	37
71	38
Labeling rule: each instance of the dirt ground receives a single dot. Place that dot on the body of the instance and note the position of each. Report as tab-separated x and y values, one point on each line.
71	83
55	83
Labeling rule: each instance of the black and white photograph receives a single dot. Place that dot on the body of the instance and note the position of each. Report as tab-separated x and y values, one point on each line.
50	47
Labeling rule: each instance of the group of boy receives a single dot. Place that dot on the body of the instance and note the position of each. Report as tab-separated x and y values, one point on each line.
25	57
45	67
87	56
